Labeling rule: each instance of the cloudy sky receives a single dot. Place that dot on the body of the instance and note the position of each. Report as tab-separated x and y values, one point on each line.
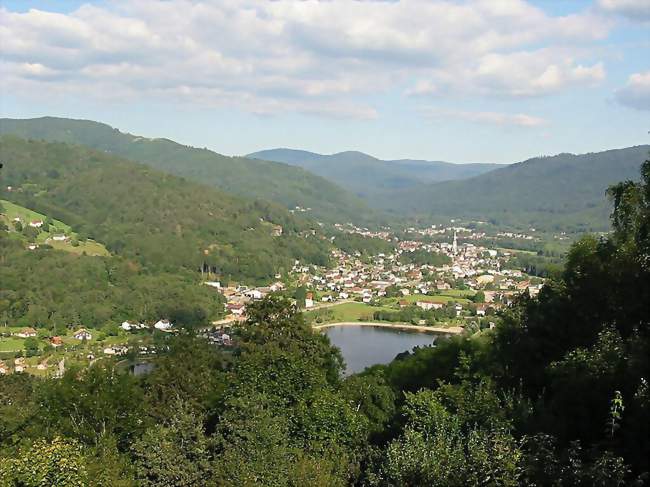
464	81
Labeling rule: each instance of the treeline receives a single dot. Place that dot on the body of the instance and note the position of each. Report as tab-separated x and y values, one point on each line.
352	243
57	290
152	218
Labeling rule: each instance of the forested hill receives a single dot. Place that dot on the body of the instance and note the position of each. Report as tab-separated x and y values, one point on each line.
370	177
153	218
565	191
270	181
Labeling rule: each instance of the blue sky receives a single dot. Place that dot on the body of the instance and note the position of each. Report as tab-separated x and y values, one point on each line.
471	81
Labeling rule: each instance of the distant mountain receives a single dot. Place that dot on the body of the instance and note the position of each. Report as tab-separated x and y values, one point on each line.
370	177
154	219
565	191
265	180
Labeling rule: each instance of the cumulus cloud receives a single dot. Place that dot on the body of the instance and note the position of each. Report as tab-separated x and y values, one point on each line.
636	92
487	118
635	10
288	56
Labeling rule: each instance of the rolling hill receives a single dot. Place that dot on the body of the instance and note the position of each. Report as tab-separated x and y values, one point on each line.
370	177
564	192
255	179
152	218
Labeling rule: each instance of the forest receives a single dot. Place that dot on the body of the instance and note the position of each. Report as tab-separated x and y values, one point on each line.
557	394
154	219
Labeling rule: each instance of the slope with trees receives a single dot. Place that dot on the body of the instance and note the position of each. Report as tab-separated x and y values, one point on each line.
153	218
249	178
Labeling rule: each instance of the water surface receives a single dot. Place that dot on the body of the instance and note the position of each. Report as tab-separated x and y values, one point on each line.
363	346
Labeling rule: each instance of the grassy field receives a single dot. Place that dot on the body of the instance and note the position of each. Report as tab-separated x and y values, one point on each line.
11	344
11	211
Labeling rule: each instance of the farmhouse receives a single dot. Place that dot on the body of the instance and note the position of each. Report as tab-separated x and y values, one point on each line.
26	332
36	223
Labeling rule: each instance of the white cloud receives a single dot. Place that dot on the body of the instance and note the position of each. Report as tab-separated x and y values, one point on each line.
309	56
636	92
487	118
635	10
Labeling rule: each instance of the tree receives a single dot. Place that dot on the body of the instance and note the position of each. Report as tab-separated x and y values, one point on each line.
58	462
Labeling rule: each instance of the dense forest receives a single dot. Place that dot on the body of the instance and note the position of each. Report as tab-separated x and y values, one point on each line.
55	290
556	394
154	219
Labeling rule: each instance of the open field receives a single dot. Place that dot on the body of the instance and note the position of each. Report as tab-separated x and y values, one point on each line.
345	312
12	344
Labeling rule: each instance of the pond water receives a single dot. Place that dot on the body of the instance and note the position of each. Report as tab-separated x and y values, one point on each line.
363	346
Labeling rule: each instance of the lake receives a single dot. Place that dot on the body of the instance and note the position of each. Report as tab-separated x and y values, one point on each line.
363	346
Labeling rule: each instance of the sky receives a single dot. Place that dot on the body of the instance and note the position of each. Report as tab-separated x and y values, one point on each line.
460	81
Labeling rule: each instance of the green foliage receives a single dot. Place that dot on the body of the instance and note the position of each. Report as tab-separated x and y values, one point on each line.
55	289
288	186
152	218
563	192
58	462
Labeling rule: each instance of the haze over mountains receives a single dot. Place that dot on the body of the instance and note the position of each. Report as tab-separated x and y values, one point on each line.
368	176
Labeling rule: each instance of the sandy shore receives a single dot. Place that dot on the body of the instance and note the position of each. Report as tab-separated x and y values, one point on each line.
454	330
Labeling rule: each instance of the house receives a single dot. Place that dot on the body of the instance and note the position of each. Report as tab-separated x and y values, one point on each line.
56	341
458	308
59	238
236	309
428	305
309	300
128	326
82	334
3	368
163	325
26	332
403	303
215	284
254	294
481	309
36	223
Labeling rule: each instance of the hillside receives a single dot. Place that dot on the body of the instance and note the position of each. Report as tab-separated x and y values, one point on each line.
370	177
155	219
565	191
254	179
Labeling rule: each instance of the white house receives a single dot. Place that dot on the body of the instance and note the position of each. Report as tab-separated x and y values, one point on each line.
428	305
215	284
253	294
309	300
163	325
36	223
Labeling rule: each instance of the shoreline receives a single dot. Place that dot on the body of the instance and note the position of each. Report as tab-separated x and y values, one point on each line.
456	330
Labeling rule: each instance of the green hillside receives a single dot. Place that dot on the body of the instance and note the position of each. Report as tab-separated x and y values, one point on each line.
53	233
370	177
565	192
270	181
153	218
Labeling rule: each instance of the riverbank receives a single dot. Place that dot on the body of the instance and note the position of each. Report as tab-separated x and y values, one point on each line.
454	330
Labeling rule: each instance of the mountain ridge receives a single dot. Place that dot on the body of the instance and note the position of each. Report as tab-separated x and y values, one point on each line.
267	180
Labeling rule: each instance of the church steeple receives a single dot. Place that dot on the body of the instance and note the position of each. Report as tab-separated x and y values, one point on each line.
454	246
